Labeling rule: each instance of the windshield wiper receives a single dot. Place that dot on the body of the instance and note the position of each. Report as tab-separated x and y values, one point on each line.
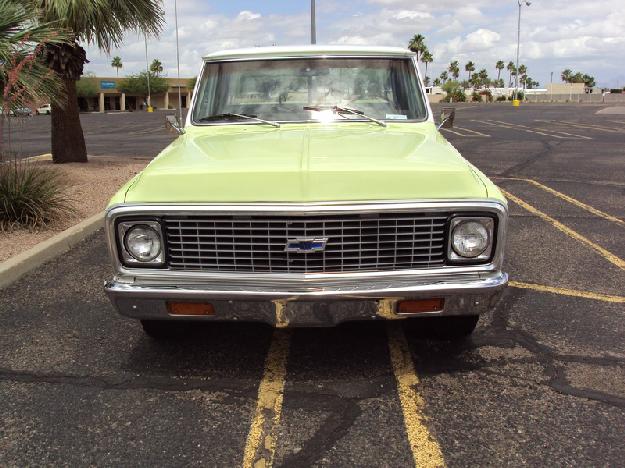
233	116
345	110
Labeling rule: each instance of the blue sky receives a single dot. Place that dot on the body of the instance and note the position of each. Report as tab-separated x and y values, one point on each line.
556	34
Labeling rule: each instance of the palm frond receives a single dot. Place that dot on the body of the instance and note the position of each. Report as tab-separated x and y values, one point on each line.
104	22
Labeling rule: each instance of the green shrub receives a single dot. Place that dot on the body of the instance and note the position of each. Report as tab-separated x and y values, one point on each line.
488	95
475	97
30	196
501	98
520	96
455	92
456	96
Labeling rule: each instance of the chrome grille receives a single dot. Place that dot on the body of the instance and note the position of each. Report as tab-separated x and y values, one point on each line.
356	242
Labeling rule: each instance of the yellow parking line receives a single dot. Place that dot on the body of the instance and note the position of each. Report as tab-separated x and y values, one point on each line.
260	446
571	200
568	292
609	256
426	451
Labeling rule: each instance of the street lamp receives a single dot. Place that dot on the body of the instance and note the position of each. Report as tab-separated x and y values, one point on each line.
147	70
313	22
518	46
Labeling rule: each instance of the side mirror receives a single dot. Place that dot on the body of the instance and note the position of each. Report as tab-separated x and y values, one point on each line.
173	124
447	117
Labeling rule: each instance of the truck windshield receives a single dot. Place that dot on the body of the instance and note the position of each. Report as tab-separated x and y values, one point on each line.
304	90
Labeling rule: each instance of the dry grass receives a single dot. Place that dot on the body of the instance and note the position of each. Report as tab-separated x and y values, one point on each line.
90	187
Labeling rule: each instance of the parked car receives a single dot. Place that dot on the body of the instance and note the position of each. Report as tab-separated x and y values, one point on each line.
23	112
46	109
309	186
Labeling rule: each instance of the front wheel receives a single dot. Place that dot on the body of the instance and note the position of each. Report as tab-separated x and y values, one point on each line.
452	328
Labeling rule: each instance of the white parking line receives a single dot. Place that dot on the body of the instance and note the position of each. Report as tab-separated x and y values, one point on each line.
466	132
584	126
540	131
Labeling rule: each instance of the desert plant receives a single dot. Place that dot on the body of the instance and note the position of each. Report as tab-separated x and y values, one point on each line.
31	196
501	98
476	97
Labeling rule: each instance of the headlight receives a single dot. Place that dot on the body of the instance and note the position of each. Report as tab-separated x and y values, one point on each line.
141	243
471	239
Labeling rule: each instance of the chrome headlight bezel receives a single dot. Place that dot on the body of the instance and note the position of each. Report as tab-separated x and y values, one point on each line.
123	229
489	223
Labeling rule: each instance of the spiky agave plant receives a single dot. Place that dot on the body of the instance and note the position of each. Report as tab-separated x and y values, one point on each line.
31	196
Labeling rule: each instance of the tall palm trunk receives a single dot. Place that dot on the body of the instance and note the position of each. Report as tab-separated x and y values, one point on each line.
68	141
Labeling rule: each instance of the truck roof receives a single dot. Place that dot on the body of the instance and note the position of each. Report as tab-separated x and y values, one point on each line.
307	51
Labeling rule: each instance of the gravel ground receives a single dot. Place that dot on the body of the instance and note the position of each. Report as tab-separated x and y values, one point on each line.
90	186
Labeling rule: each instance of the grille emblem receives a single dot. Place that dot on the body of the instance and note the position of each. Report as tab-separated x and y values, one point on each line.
306	244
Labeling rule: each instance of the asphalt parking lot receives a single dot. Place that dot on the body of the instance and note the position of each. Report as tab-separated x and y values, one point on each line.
540	383
125	134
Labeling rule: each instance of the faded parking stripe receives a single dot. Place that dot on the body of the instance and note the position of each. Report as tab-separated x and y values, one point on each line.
568	292
609	256
260	446
571	200
426	451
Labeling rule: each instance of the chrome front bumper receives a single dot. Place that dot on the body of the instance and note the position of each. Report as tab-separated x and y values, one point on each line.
307	304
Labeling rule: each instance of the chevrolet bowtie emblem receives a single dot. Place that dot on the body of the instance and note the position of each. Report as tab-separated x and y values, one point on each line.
306	244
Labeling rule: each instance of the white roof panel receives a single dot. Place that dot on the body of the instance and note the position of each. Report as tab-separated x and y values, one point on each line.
306	51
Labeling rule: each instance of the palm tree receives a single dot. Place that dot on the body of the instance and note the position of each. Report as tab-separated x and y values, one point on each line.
102	23
156	67
469	67
499	66
454	69
522	74
23	77
117	64
567	75
444	77
437	82
427	58
512	69
483	76
417	45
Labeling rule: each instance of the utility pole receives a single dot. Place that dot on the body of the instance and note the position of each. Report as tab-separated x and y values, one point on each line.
147	69
551	89
313	22
518	47
178	65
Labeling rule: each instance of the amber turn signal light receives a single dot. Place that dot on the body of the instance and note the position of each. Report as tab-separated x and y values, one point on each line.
420	306
190	308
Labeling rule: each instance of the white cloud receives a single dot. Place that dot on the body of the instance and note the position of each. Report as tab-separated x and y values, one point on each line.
247	15
481	39
555	35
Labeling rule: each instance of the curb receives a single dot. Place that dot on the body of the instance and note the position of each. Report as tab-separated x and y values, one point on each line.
15	267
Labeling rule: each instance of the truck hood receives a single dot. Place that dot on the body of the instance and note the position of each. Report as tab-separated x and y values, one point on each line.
306	163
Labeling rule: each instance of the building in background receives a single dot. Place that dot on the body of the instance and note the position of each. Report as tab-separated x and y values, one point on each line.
104	96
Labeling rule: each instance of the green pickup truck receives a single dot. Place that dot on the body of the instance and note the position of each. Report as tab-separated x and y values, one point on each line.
309	186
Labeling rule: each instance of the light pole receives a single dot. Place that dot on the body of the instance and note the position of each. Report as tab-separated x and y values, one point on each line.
178	65
147	69
518	47
313	22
